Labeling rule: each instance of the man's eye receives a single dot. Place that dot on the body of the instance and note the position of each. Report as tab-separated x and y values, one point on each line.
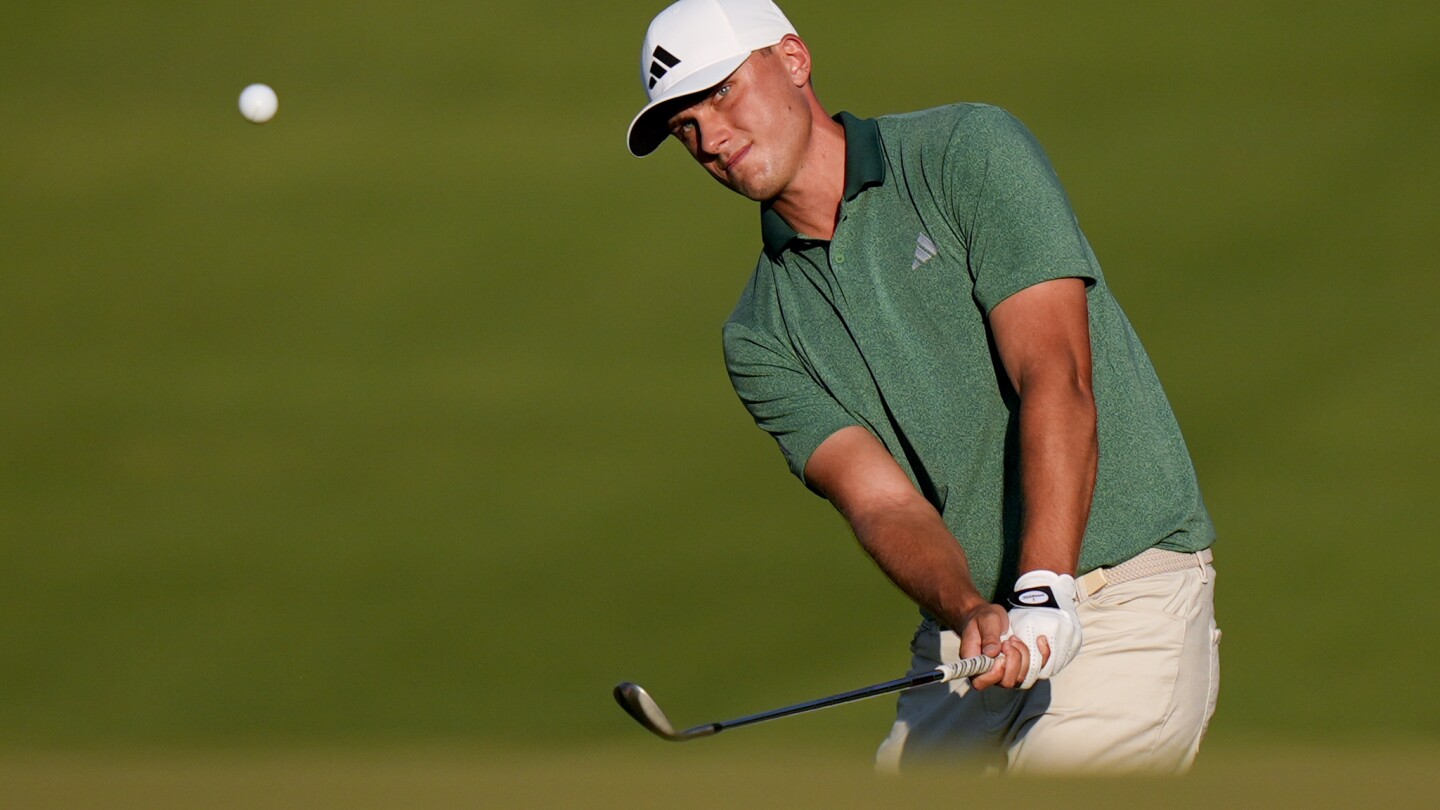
722	91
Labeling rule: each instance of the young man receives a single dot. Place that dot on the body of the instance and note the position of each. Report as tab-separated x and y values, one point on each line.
929	338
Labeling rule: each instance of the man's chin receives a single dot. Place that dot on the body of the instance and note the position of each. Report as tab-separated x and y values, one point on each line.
755	192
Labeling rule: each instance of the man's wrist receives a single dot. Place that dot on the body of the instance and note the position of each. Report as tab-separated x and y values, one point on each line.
966	605
1056	560
1058	570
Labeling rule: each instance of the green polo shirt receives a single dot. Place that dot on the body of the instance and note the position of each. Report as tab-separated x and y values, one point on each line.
946	213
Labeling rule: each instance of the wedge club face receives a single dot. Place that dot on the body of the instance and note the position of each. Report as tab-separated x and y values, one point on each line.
638	704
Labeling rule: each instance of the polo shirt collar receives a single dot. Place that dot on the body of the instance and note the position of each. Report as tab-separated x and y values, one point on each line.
864	167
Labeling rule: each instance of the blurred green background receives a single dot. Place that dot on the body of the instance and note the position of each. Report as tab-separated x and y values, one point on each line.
401	422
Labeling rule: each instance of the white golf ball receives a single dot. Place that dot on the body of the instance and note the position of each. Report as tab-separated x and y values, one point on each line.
258	103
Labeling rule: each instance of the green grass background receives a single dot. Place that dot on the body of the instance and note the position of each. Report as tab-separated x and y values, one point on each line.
400	423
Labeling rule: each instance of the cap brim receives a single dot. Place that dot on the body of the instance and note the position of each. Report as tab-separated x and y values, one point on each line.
648	129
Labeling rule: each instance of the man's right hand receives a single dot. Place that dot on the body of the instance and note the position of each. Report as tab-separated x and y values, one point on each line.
981	634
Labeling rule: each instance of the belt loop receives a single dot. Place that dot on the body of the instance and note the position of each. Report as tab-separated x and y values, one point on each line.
1090	584
1200	560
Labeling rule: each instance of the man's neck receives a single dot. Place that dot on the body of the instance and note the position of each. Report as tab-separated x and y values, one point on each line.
811	203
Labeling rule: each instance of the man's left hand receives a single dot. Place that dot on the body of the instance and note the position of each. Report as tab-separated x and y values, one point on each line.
1042	609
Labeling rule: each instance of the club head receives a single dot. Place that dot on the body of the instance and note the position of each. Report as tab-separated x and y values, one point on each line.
638	704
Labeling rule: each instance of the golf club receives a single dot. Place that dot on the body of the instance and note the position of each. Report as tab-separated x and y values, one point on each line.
638	703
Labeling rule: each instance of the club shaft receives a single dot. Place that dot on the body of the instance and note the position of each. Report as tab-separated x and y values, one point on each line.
897	685
973	666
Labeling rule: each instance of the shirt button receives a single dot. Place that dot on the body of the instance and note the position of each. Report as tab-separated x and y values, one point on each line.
839	258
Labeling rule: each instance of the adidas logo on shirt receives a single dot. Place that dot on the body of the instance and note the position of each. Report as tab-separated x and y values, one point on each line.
925	250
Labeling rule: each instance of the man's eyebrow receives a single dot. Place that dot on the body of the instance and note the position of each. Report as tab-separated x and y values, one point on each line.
680	118
682	104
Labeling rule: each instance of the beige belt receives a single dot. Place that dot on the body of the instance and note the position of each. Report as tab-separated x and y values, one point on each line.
1147	563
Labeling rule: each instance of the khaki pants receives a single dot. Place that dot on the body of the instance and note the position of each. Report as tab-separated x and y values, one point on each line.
1136	698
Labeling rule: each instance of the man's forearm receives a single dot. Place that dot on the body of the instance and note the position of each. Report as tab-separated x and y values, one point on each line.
1043	337
897	527
910	542
1059	453
915	549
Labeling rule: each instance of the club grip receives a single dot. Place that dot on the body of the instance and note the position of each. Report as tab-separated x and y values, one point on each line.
966	668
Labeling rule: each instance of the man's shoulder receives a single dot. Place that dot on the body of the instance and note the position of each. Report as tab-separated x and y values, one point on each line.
968	129
964	115
956	143
958	110
755	327
757	299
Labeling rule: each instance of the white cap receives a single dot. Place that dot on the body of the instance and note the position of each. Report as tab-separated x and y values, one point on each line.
692	46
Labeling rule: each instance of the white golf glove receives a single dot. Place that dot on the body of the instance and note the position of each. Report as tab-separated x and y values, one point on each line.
1043	604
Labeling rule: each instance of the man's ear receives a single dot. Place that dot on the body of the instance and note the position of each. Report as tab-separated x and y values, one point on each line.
796	56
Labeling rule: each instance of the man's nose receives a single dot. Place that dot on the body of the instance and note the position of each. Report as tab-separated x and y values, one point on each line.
714	134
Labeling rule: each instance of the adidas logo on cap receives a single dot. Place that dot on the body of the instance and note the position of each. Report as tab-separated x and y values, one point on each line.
660	65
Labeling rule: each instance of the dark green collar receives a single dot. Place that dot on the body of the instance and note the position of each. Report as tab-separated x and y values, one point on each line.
864	167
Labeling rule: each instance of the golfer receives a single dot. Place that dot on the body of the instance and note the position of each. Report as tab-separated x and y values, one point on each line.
930	340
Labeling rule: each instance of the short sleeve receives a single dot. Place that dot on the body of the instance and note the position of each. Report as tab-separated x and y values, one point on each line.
1019	225
781	395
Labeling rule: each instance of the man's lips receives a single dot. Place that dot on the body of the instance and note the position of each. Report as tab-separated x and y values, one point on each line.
736	158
